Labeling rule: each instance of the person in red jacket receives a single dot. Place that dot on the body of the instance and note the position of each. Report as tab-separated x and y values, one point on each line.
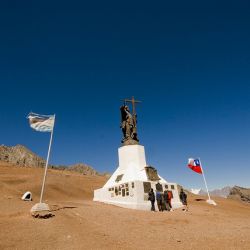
170	196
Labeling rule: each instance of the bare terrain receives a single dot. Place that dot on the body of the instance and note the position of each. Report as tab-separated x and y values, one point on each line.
80	223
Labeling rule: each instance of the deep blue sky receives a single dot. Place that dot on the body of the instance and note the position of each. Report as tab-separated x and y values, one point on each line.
189	62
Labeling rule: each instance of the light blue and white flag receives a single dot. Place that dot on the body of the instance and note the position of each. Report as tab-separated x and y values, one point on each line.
42	123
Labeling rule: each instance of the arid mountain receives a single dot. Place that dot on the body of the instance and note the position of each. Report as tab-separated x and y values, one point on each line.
22	156
240	193
83	169
223	192
235	193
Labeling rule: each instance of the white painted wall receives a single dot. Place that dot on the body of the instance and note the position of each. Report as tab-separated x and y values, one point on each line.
132	163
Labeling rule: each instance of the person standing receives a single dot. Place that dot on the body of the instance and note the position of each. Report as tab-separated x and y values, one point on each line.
166	200
170	196
151	198
183	198
159	200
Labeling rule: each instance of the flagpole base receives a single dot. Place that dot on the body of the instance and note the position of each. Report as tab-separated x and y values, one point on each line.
38	207
41	210
211	202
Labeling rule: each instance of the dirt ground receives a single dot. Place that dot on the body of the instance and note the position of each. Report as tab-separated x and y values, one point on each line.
80	223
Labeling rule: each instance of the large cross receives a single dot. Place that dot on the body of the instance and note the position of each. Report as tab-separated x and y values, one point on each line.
133	101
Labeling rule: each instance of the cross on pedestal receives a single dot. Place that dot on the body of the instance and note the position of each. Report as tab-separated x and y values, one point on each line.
133	101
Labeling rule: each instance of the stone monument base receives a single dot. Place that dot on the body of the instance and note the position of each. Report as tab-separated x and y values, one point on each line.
131	182
134	194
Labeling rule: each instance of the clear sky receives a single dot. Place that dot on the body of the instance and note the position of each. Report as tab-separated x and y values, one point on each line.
188	61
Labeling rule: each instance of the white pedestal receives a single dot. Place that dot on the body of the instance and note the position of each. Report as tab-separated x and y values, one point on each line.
132	162
129	179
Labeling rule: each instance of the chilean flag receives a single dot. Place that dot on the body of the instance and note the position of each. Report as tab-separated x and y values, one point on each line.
195	165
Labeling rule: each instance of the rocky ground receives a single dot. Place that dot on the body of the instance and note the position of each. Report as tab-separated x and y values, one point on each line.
80	223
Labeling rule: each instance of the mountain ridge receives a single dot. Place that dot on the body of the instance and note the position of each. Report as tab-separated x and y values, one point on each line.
20	155
235	193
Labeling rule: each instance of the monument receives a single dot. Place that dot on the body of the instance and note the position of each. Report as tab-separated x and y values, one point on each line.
129	185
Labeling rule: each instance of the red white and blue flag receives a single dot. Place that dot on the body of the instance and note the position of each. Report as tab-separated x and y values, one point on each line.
195	165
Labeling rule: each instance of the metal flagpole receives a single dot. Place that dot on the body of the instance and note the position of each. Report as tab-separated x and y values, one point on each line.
204	179
46	167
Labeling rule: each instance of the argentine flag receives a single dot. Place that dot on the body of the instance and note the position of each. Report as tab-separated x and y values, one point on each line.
42	123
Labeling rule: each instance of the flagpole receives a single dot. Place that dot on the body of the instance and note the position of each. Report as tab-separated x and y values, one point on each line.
47	162
204	179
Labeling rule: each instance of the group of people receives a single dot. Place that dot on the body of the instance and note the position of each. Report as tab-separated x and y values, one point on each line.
164	200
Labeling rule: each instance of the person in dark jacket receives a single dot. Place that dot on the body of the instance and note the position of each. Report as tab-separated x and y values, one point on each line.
159	200
163	206
151	198
183	198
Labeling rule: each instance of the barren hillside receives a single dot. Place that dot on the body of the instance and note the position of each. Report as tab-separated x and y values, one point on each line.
80	223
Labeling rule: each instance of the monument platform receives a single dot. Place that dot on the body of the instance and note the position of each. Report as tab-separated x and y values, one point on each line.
129	185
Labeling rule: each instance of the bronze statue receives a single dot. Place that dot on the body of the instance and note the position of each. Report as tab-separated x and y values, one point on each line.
129	123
